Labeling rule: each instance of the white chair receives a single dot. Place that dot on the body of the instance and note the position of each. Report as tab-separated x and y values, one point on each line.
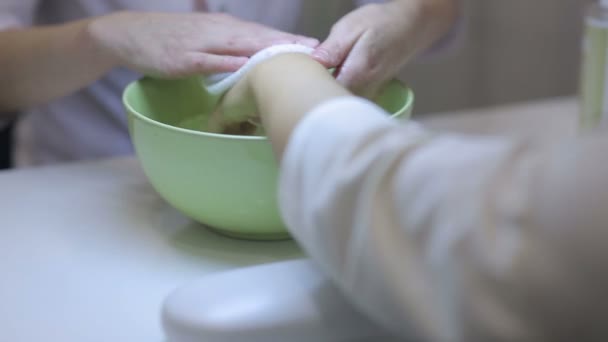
286	301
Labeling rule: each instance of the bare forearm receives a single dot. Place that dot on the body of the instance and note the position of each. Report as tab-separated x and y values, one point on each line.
43	63
286	88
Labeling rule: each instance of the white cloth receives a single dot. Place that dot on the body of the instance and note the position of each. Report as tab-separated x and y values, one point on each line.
217	85
91	123
452	238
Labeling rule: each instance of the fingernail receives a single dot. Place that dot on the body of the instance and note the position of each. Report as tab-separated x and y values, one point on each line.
321	55
240	61
310	42
233	64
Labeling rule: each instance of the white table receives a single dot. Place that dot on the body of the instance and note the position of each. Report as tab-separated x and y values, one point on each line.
88	251
543	120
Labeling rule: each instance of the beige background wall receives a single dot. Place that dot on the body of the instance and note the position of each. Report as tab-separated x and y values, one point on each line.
512	50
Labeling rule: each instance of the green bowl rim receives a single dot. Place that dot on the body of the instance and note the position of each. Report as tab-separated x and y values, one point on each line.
408	104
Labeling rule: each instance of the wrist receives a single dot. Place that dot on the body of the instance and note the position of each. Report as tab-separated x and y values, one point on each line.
97	35
438	15
430	19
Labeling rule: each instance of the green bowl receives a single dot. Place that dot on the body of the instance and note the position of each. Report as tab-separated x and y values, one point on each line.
226	182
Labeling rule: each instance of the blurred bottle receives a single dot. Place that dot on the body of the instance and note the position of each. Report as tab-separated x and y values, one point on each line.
594	73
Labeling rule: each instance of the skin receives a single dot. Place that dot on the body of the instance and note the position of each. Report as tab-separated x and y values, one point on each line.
368	46
40	64
371	44
283	101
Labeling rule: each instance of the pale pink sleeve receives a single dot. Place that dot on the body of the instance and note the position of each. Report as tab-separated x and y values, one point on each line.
367	2
17	13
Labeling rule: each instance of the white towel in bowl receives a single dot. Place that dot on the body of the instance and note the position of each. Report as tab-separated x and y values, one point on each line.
218	84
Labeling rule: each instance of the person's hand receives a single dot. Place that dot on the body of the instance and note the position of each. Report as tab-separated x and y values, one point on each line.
265	96
236	112
177	45
371	44
279	103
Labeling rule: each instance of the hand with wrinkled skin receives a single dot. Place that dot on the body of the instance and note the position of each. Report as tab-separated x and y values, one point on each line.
371	44
176	45
43	63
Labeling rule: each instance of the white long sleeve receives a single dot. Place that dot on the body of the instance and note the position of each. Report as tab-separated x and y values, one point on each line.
451	237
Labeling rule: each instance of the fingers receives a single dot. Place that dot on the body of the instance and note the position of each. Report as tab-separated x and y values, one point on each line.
205	63
335	49
361	72
364	46
241	38
247	46
214	123
307	41
353	72
237	106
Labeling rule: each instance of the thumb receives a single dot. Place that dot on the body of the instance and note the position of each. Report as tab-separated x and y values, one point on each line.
336	48
237	105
